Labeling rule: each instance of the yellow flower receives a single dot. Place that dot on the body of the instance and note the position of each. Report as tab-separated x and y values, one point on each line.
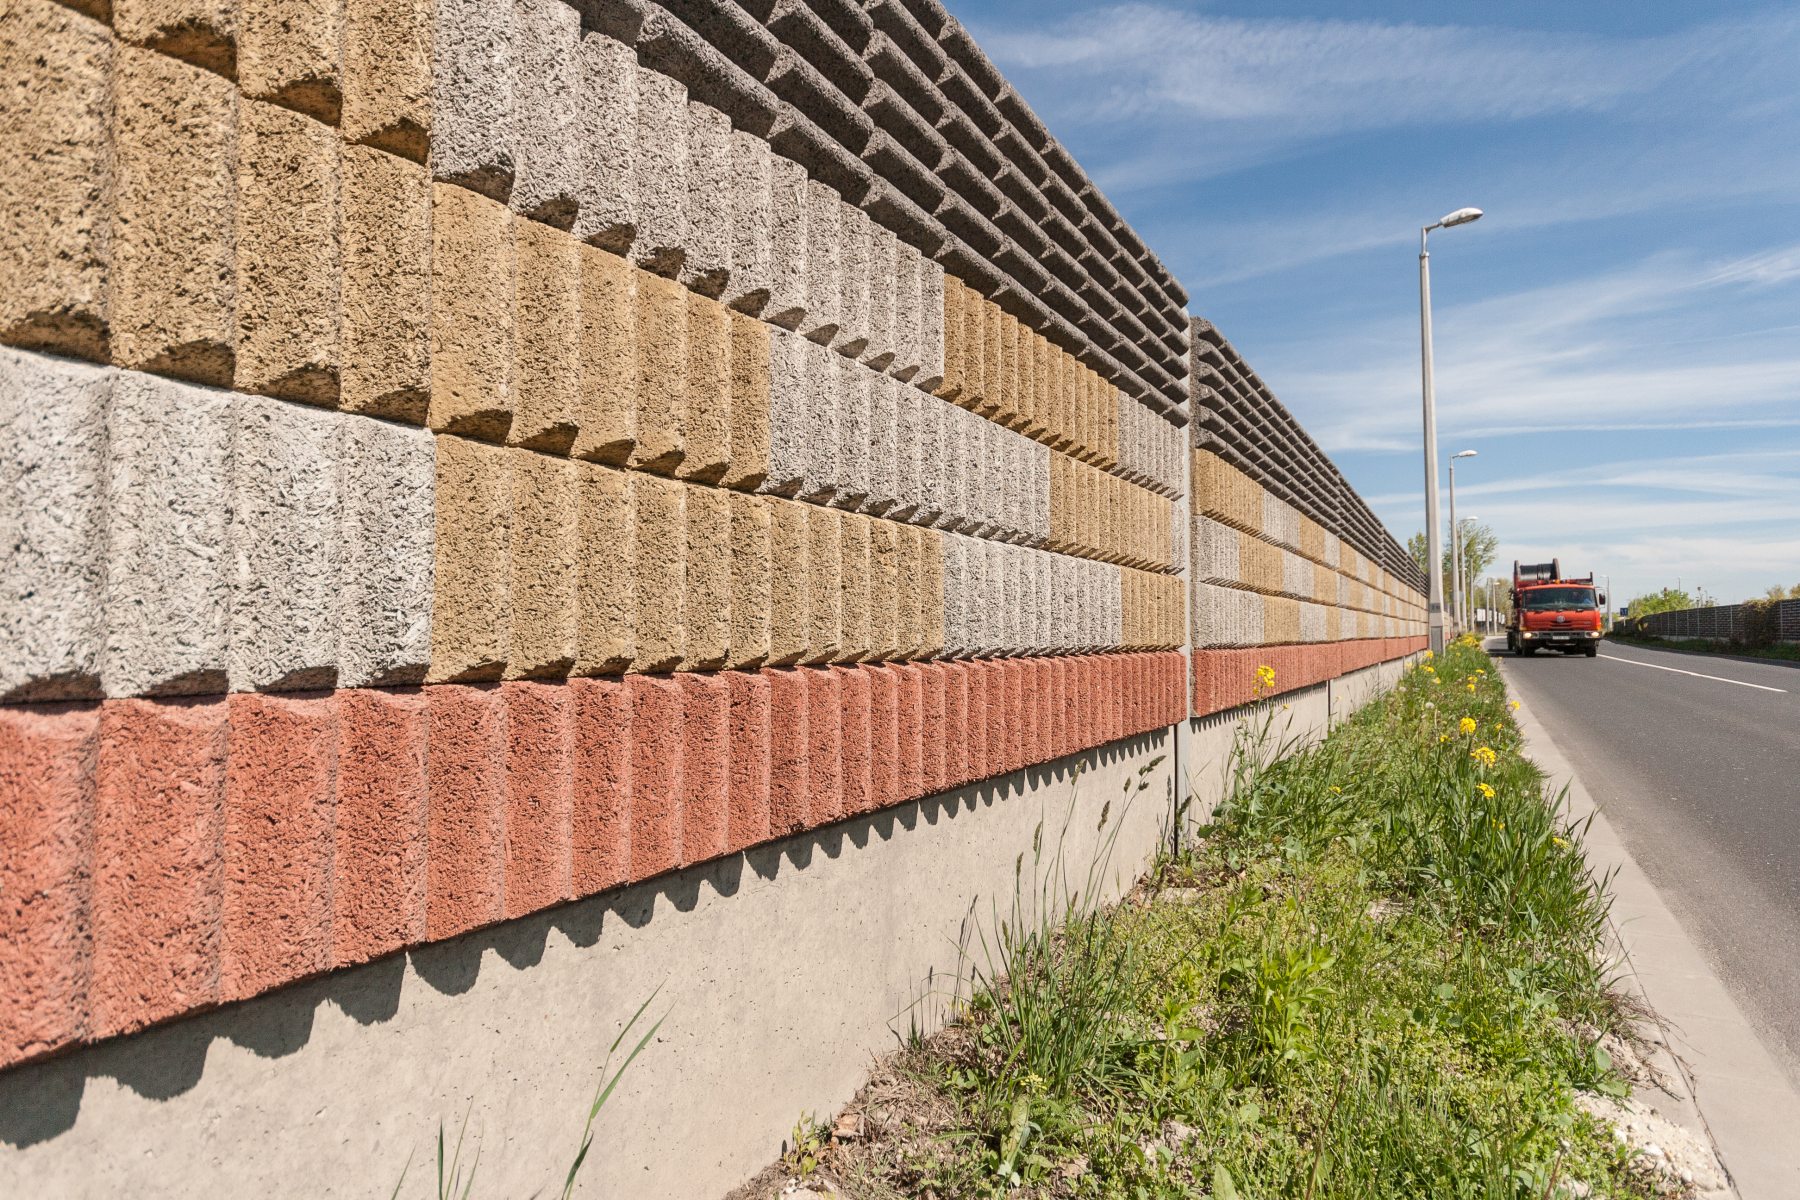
1265	678
1499	727
1429	655
1486	791
1466	725
1471	689
1513	704
1559	841
1484	756
1336	790
1442	738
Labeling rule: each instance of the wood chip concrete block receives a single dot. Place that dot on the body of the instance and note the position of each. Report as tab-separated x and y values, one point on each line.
473	291
708	449
662	165
56	197
932	326
660	573
386	494
931	591
168	490
824	263
662	317
284	545
824	584
750	400
53	479
606	130
796	372
788	206
605	572
886	620
544	552
706	263
751	566
752	223
884	446
546	98
387	82
908	311
706	599
547	347
790	617
173	305
472	105
289	255
385	292
290	52
471	580
954	380
608	380
853	577
201	32
884	254
853	412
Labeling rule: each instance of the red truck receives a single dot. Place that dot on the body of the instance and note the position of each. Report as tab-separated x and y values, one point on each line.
1550	612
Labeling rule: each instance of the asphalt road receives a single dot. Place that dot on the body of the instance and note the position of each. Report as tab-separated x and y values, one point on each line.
1701	779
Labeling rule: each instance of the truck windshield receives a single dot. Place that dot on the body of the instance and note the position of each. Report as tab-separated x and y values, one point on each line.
1560	598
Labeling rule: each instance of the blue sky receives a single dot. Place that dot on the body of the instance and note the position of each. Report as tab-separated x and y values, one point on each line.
1619	337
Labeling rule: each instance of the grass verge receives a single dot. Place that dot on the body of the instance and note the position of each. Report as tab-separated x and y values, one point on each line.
1377	973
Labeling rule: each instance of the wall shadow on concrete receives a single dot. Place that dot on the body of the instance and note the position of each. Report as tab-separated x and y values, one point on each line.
39	1101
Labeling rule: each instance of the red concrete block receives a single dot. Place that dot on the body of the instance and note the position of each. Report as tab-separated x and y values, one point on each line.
1141	711
280	791
789	772
933	775
540	761
854	691
1018	703
956	724
600	792
48	760
1054	699
1044	688
824	746
911	731
465	765
658	711
999	719
158	870
705	767
884	735
978	721
748	788
378	870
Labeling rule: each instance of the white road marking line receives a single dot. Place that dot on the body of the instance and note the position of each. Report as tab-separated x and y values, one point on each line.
1697	675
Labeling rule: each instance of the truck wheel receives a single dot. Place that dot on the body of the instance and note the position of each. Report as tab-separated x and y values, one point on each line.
1527	651
1592	652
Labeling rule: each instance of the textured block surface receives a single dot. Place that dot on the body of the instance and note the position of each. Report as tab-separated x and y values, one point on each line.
472	96
385	288
387	82
473	267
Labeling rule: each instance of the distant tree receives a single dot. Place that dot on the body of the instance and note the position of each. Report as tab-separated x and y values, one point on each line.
1667	600
1478	546
1780	593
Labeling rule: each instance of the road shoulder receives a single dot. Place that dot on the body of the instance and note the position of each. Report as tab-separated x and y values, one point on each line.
1725	1086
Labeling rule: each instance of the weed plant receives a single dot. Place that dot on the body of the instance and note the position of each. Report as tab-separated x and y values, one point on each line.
1364	979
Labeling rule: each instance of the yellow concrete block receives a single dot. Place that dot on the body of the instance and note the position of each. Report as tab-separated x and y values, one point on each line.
750	578
708	424
749	438
543	563
884	590
854	576
706	590
790	615
386	291
472	296
606	570
606	406
470	617
547	350
660	575
662	313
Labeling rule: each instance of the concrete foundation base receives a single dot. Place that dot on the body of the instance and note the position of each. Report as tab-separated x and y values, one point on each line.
783	972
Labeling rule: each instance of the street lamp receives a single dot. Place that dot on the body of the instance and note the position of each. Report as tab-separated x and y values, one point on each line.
1458	615
1434	551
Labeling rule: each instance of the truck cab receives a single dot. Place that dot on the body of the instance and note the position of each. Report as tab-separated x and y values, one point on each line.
1553	612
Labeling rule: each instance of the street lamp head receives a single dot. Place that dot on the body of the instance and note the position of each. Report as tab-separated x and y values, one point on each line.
1461	216
1464	454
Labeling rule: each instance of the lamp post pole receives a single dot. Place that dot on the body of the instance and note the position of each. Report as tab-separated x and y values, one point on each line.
1434	548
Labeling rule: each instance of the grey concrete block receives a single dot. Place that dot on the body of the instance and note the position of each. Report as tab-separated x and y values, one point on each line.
472	95
884	253
908	290
168	505
284	545
884	447
798	136
1312	622
908	418
788	209
707	244
824	257
955	596
52	526
791	463
809	33
752	223
1038	483
822	424
931	325
733	29
546	92
386	491
994	506
676	49
606	123
662	162
951	476
857	235
800	84
854	416
933	465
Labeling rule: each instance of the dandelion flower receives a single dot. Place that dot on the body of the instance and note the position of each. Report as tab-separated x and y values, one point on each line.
1429	655
1466	725
1484	756
1513	704
1442	738
1487	792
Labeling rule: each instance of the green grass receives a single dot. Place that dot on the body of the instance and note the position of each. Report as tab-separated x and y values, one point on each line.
1360	981
1786	651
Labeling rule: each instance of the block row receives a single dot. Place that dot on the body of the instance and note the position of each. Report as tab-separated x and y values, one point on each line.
166	856
1228	616
996	365
1102	516
1227	678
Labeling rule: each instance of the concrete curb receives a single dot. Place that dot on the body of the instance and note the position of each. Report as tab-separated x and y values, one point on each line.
1722	1083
